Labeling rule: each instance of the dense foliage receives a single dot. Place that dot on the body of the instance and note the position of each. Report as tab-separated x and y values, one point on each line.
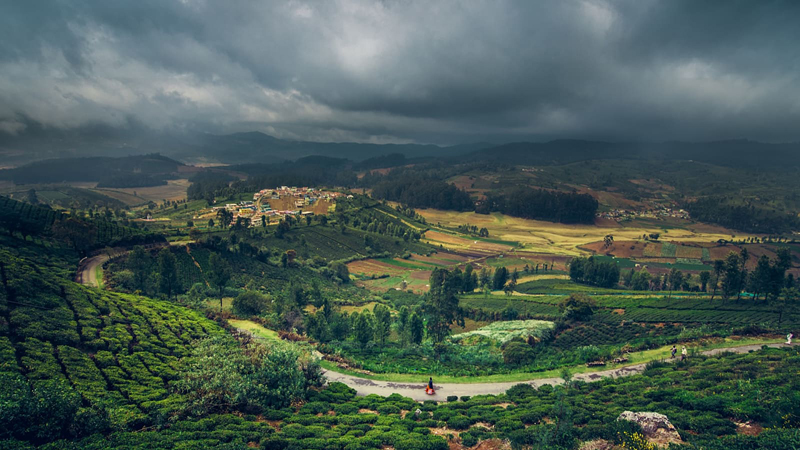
133	170
418	192
594	272
745	217
540	204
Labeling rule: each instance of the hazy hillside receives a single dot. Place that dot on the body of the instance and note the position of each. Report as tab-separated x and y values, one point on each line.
129	171
735	153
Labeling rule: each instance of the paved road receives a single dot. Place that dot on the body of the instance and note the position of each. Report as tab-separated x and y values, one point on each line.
87	271
416	391
87	268
87	274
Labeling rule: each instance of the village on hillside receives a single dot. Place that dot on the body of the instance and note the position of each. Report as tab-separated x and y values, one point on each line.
277	203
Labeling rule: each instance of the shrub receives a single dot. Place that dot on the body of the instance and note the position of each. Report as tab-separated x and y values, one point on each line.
520	392
452	398
250	303
459	422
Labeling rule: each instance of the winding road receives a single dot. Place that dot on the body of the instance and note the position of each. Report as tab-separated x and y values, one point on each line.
87	270
87	275
416	391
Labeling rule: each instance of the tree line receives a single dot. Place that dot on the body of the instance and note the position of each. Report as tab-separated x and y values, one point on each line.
747	217
540	204
730	277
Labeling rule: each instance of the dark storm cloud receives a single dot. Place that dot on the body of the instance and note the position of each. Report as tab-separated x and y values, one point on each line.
401	70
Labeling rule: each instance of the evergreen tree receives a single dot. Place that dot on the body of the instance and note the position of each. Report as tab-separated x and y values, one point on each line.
167	272
500	278
416	329
139	263
441	304
363	329
402	325
219	274
731	276
383	323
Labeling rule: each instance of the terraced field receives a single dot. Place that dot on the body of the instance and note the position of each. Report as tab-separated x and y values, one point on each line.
118	352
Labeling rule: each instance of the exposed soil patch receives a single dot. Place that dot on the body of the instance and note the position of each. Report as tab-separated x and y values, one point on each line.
749	428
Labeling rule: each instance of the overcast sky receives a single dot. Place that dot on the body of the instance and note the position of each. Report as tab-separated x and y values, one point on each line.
405	71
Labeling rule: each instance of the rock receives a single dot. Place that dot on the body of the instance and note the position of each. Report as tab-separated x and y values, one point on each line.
655	427
596	444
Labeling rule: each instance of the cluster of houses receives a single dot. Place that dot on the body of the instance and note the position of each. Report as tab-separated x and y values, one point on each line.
280	202
303	196
659	212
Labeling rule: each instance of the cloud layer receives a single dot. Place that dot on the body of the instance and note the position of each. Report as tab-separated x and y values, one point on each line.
402	71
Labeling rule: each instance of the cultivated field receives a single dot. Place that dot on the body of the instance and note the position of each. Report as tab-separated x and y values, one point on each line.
173	190
554	238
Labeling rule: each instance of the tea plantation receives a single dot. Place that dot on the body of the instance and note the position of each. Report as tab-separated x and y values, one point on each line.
79	360
704	398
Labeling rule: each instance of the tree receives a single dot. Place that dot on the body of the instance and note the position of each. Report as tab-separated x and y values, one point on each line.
441	303
675	279
383	323
340	272
318	327
517	353
250	303
762	277
704	277
78	234
732	276
500	278
167	272
402	325
219	274
222	376
363	329
469	279
641	280
719	267
416	329
224	217
577	307
484	277
593	272
139	263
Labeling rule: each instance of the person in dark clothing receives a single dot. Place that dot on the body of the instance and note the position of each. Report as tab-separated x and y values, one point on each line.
430	383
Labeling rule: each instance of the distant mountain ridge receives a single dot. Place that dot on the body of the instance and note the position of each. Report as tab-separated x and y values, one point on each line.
258	147
732	153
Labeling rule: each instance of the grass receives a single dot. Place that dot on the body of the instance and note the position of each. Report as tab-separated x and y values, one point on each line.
256	329
99	276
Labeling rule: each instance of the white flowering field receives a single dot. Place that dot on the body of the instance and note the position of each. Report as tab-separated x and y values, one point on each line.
504	331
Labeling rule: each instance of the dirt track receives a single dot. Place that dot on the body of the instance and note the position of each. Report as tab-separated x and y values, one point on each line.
416	391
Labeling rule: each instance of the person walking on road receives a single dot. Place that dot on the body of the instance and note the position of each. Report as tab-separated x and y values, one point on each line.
674	350
789	338
683	353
